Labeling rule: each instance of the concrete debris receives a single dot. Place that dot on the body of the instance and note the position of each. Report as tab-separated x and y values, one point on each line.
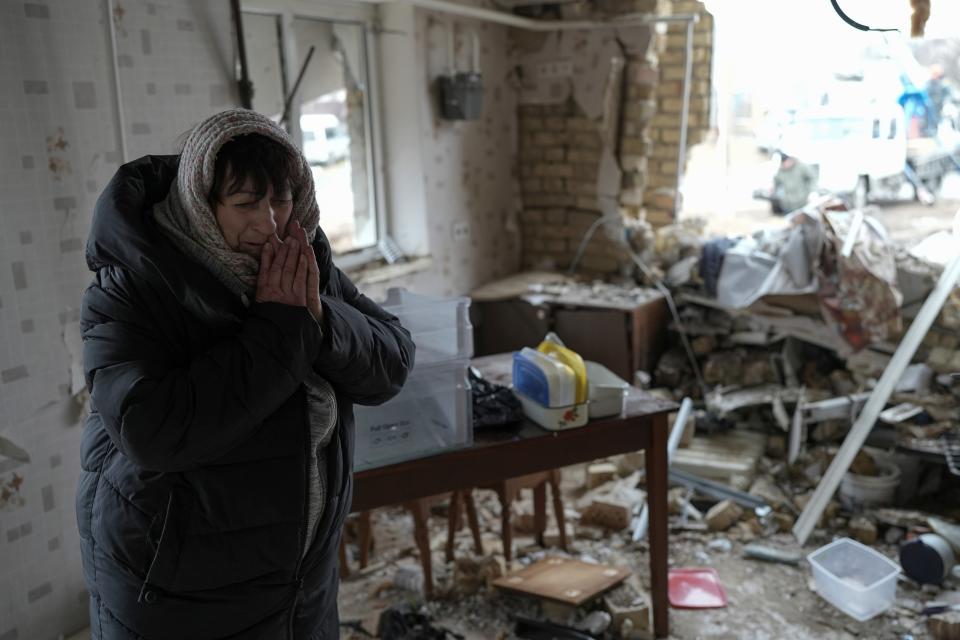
769	554
601	473
409	577
723	515
608	513
629	609
596	623
471	575
863	530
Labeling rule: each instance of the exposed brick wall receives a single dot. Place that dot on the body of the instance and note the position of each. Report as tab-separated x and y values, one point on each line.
664	129
560	149
560	152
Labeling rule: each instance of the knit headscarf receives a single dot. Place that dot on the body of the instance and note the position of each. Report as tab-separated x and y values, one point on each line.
187	217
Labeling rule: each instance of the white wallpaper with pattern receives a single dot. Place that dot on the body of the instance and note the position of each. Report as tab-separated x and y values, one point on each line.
58	127
470	166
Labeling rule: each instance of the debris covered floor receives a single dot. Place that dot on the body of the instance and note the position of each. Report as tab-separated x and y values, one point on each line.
766	600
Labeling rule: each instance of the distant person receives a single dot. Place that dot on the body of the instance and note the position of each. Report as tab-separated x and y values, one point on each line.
792	185
939	93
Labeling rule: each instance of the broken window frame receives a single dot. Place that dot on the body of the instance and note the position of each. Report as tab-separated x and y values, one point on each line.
359	14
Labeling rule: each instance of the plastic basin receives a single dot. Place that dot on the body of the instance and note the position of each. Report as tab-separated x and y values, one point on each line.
854	578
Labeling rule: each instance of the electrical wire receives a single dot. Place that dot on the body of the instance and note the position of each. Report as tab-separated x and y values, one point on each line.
672	305
853	23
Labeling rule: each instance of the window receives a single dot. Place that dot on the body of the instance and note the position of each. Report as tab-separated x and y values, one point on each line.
326	62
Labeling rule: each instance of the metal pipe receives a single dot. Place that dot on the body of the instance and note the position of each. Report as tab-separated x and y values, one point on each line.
121	123
530	24
673	441
244	86
684	114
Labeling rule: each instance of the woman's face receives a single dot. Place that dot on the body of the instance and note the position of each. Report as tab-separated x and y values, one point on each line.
247	222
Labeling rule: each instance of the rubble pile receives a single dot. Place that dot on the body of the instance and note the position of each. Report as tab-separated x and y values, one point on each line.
780	339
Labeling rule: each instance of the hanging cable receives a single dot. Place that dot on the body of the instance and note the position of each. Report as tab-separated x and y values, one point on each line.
853	23
687	347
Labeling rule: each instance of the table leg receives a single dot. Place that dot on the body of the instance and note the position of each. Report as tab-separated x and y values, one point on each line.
473	520
506	532
558	507
453	523
656	458
342	558
540	511
421	533
365	539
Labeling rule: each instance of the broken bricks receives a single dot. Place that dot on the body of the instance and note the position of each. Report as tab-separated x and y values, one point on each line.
863	530
609	513
600	473
629	608
723	515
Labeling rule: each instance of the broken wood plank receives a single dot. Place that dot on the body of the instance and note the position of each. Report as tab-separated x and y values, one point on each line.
722	456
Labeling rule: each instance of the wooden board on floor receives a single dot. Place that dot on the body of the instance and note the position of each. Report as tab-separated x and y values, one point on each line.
563	580
721	456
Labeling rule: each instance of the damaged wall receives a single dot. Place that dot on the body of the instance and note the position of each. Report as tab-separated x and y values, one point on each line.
599	124
664	128
58	122
456	178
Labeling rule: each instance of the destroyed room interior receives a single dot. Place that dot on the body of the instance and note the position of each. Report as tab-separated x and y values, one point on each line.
479	319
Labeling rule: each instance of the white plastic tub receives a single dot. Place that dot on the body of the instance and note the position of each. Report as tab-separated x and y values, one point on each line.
858	492
607	391
433	413
554	418
440	327
854	578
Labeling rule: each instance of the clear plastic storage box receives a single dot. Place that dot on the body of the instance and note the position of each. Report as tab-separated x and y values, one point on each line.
440	327
433	413
854	578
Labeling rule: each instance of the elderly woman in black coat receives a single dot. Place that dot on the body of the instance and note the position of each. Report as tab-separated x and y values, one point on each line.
223	352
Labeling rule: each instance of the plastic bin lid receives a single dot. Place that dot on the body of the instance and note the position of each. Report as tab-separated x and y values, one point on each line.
697	588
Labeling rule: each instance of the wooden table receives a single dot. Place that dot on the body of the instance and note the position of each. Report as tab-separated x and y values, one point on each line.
499	454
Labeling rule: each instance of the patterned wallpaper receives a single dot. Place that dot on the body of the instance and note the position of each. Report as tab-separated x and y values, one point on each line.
470	166
60	147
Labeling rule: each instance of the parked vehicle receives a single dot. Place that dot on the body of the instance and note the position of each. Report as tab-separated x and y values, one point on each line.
325	138
866	155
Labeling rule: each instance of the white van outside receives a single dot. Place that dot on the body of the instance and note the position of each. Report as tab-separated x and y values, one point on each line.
325	138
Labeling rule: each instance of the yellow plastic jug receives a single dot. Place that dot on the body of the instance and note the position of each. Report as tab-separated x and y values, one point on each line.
570	358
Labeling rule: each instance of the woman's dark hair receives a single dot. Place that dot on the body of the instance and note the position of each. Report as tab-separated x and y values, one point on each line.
264	161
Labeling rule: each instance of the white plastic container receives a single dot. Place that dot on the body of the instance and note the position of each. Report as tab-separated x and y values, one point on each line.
440	327
608	392
433	413
854	578
554	418
541	378
858	492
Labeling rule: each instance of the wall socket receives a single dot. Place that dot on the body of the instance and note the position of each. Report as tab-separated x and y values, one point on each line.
461	231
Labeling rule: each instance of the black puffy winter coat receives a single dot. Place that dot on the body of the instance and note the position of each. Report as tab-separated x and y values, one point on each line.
191	503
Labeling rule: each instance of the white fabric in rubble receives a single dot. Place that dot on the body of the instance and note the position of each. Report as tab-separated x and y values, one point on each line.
781	262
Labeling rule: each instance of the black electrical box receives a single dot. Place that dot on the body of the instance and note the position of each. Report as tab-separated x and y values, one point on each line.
461	96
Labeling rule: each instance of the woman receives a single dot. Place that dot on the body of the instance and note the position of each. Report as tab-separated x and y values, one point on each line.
223	353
